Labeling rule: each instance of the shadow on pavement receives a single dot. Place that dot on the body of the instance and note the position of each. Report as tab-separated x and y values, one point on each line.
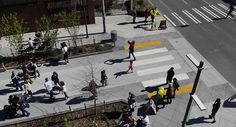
54	62
154	88
113	61
230	102
44	99
79	99
120	73
40	91
6	91
197	120
10	85
218	18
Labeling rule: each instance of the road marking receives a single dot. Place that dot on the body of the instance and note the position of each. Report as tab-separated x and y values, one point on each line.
151	51
179	19
153	60
226	8
219	11
157	69
169	20
162	80
144	44
187	88
185	2
202	15
191	16
205	2
210	12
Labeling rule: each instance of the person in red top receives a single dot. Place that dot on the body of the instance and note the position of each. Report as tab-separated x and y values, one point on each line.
131	48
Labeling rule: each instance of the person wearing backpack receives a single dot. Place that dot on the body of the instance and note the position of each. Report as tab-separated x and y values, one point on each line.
175	85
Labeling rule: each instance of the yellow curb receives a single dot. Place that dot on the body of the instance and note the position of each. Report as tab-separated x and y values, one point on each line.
182	89
144	44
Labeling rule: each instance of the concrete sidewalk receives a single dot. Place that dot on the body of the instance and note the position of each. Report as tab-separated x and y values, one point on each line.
211	85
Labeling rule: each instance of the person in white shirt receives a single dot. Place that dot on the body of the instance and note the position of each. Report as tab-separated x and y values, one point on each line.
65	52
64	91
30	43
49	87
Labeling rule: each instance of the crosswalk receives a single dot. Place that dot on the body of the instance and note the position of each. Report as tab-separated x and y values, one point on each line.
202	14
156	62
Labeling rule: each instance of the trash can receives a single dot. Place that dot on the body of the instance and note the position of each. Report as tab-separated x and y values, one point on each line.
113	35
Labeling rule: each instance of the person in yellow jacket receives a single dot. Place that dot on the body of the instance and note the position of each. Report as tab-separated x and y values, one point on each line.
153	13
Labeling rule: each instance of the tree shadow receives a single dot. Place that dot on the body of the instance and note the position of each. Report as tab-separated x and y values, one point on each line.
54	62
125	23
230	102
113	61
6	91
120	73
44	99
4	117
78	100
197	120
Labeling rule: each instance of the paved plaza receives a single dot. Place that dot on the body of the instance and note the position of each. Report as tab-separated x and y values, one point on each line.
156	51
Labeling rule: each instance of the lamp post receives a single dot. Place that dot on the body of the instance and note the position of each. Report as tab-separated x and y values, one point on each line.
200	68
85	15
103	16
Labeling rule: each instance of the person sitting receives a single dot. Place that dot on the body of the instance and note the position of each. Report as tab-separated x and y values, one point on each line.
127	120
143	121
30	44
131	101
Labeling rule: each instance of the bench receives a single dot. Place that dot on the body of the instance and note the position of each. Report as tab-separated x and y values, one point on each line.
199	102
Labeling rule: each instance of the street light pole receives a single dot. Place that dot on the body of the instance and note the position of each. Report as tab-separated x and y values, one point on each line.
200	68
103	16
85	15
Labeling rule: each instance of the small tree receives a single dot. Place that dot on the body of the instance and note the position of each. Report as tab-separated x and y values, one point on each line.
48	29
71	22
13	30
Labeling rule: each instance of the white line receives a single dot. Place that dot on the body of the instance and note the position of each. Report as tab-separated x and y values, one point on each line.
157	69
202	15
219	11
181	19
162	80
178	19
210	12
226	8
169	20
153	60
150	52
192	16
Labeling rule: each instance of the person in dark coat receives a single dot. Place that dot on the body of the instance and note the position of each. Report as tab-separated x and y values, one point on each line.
15	81
134	15
103	78
131	48
169	93
170	75
175	86
215	108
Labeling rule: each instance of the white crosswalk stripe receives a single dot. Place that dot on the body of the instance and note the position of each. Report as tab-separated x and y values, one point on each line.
154	70
162	80
226	8
153	60
202	15
157	62
179	18
170	20
218	10
151	52
210	12
191	16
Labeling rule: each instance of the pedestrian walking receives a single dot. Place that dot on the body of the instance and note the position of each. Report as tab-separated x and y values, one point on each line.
23	104
170	75
103	78
49	87
175	86
134	15
215	108
55	79
131	48
153	13
27	87
64	90
130	66
169	93
15	81
65	52
2	63
231	9
35	69
131	102
146	15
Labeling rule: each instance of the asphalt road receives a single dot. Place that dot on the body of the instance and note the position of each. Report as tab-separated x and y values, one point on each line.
215	39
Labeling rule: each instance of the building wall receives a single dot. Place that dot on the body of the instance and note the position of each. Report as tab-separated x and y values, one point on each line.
30	12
